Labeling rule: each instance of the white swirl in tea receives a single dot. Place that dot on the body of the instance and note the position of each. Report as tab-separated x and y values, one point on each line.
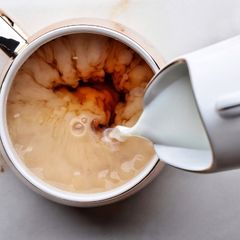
63	98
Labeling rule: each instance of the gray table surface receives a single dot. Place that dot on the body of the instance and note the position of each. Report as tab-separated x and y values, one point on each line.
176	205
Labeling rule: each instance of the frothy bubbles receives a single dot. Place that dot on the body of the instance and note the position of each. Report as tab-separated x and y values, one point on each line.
119	134
109	137
79	125
108	140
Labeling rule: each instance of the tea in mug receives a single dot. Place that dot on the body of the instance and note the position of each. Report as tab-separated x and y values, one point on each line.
61	101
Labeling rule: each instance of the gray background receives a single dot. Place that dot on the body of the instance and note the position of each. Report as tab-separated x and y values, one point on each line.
177	204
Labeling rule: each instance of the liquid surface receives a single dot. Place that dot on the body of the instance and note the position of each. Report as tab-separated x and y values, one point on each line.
63	98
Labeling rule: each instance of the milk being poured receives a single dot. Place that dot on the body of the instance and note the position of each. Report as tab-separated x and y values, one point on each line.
171	119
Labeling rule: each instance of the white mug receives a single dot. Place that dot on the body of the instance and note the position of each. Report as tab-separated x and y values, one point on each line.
18	48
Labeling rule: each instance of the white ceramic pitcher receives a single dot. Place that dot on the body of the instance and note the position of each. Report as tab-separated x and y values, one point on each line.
192	110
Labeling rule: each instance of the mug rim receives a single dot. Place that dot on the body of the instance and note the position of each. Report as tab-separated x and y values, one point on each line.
7	145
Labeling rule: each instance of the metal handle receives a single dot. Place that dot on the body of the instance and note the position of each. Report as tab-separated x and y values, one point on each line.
12	38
